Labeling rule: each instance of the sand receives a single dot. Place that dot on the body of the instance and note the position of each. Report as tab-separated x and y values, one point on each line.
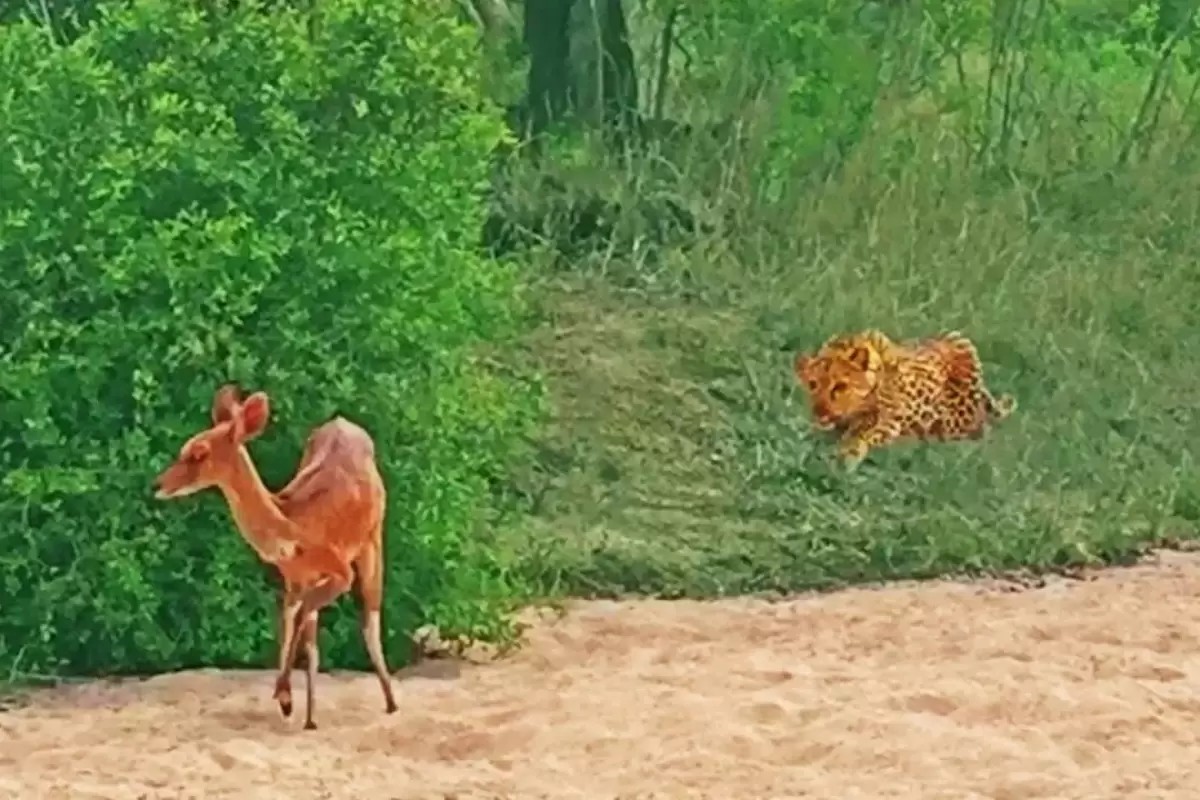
1080	689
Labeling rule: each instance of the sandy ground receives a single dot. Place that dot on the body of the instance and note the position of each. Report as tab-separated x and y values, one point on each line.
1081	689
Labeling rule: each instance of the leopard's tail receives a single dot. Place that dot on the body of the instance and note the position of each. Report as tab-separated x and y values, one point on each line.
999	407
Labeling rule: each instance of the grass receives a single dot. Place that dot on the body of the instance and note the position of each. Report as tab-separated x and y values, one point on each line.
679	460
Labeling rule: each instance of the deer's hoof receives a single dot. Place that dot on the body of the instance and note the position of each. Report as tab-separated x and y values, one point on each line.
284	696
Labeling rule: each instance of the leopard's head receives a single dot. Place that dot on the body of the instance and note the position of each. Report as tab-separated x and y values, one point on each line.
841	379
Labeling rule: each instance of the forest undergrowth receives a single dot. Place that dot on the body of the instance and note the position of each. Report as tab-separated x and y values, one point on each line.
1031	186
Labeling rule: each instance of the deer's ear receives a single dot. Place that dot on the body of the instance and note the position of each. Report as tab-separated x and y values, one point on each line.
256	410
225	403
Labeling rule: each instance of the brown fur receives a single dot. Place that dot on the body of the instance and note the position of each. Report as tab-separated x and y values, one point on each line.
875	390
320	531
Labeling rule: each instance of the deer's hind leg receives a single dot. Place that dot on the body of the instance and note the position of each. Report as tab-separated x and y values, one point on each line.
369	566
308	636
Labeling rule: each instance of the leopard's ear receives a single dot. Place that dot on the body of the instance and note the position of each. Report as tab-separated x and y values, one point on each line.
864	357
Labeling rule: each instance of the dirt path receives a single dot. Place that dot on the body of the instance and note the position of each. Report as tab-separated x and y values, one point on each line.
1082	689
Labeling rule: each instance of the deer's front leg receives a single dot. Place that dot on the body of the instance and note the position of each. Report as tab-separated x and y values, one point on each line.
288	633
307	604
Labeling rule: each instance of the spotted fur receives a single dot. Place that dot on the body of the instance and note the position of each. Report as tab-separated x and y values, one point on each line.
874	391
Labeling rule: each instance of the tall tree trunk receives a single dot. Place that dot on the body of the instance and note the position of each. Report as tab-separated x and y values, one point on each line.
606	87
581	63
546	37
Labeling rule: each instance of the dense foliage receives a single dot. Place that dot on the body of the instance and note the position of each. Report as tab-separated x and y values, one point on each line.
287	201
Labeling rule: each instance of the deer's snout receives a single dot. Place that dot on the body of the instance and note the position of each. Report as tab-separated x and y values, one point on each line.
156	486
171	482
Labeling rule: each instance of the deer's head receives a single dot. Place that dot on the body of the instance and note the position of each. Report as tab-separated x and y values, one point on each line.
209	458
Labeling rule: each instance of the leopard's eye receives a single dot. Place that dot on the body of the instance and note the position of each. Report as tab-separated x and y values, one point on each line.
837	388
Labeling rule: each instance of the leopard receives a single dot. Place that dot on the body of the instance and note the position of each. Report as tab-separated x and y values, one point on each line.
874	391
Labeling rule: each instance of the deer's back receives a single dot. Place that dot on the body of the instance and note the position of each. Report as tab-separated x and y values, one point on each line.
337	495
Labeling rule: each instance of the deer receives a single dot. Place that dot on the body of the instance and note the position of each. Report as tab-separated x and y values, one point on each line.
319	531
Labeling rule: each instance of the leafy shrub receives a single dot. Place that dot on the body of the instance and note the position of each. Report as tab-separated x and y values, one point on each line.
289	202
810	84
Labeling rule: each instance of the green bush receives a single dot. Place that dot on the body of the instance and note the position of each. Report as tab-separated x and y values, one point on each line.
287	202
